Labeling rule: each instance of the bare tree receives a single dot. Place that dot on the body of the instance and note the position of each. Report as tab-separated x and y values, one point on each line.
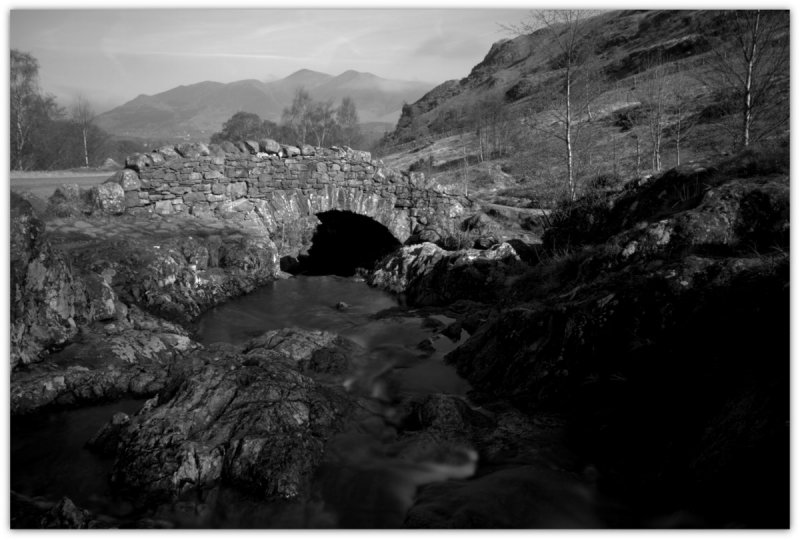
298	115
83	116
567	31
652	94
24	97
347	118
752	68
682	97
321	120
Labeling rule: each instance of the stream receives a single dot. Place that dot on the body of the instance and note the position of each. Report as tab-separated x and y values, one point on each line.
363	482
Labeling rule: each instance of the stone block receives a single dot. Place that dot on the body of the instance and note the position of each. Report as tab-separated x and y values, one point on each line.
213	198
307	150
229	148
252	146
127	179
218	189
132	199
269	146
212	175
108	198
168	152
194	197
290	151
202	210
237	190
163	208
138	162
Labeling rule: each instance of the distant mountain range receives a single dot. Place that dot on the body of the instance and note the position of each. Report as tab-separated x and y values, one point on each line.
198	110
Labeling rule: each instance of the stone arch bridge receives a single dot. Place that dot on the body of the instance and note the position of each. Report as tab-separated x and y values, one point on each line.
280	188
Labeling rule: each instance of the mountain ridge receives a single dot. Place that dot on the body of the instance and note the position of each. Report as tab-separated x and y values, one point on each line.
197	110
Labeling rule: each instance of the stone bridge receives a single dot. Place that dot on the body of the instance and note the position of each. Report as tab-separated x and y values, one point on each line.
280	188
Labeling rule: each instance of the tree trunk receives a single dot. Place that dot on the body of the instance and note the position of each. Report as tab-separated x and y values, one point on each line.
748	106
568	137
85	149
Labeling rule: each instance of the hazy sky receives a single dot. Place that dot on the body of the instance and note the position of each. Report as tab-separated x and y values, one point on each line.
111	56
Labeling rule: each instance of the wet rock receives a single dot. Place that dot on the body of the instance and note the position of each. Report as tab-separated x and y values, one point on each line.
453	331
258	425
430	275
105	441
179	278
37	513
45	297
542	498
135	357
342	306
313	352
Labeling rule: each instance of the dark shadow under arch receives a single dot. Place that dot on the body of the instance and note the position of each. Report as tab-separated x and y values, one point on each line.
343	242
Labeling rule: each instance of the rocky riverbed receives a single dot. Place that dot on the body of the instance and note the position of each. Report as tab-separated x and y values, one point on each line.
632	371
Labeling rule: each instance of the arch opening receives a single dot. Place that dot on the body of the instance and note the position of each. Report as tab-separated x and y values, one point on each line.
343	242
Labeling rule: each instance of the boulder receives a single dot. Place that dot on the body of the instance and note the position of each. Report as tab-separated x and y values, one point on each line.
290	151
251	420
430	275
108	198
138	162
168	151
269	146
229	147
252	146
127	179
45	297
133	354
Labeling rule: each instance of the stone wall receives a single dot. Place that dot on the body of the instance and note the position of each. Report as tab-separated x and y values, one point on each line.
279	187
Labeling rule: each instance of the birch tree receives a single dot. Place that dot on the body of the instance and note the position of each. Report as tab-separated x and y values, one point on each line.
752	66
83	116
652	93
566	30
24	90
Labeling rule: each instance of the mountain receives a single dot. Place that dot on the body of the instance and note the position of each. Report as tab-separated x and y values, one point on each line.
197	110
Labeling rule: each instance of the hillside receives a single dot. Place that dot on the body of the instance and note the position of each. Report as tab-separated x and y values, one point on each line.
513	99
195	111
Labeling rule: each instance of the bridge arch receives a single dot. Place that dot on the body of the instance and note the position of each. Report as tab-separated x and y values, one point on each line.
280	190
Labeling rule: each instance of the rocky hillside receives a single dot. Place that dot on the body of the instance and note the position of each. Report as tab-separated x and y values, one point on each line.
195	111
514	96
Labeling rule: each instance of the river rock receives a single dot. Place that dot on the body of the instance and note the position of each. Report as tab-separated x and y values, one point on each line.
133	356
180	277
430	275
35	513
45	298
248	419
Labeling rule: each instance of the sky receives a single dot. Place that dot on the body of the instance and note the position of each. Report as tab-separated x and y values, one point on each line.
111	56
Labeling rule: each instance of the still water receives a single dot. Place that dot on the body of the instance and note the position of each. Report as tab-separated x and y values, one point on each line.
366	481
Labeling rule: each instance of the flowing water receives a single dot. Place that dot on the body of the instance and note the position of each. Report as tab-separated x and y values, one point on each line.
367	481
